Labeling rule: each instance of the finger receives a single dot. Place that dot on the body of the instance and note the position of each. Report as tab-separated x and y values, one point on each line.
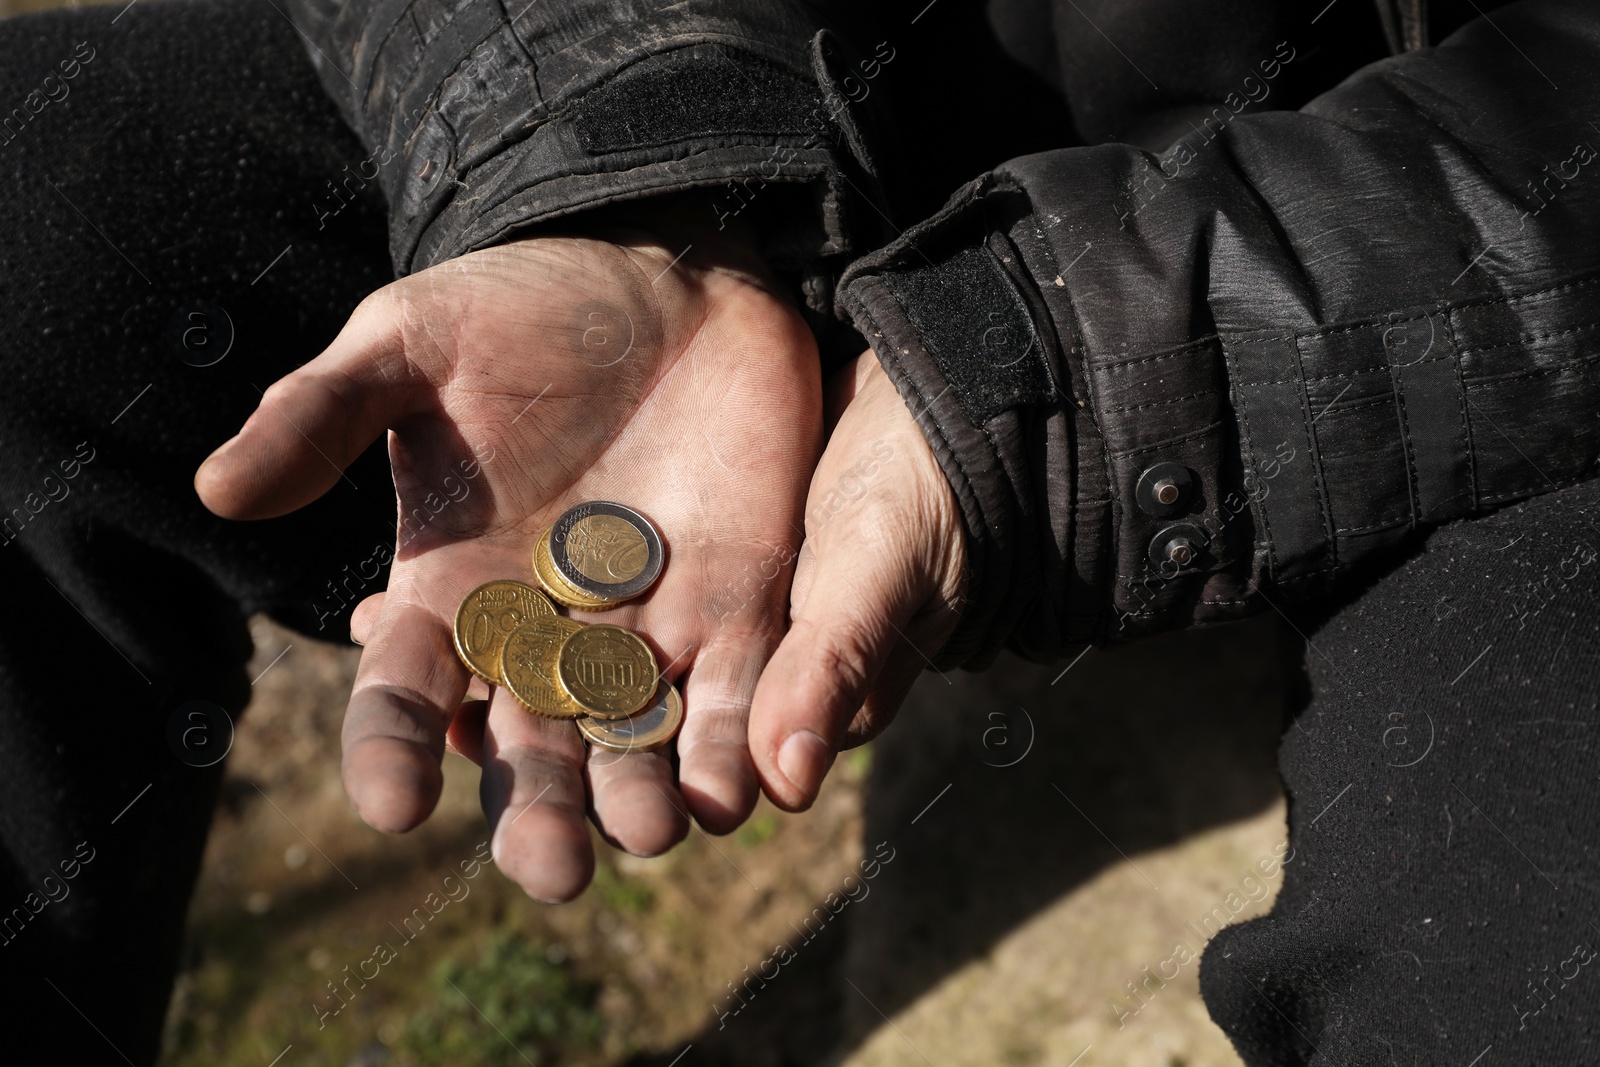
407	688
364	617
312	424
900	672
862	588
715	772
533	795
894	681
636	803
465	735
841	388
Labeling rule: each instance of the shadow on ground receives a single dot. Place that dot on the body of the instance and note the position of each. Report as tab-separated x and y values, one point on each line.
1131	750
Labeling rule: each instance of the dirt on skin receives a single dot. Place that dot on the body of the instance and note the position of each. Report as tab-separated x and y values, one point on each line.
947	899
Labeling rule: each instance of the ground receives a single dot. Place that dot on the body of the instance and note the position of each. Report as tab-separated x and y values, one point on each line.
1010	919
1039	845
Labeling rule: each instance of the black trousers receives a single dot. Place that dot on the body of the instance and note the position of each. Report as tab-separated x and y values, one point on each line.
185	222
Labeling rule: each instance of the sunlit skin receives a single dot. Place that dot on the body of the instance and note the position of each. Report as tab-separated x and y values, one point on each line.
710	424
876	590
708	420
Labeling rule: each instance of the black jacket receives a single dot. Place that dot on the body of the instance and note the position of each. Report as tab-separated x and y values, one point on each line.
1232	251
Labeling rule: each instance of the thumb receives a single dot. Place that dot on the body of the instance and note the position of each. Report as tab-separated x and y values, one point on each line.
875	591
313	423
848	628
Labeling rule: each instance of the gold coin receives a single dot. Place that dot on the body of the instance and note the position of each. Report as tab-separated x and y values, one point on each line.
610	672
607	549
528	662
645	732
487	616
560	590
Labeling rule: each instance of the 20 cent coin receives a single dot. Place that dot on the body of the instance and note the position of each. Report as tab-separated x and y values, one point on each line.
610	672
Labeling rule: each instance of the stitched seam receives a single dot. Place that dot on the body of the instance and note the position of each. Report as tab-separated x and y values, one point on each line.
1581	369
1466	420
1229	340
1314	457
408	14
430	106
1248	441
1356	405
1204	431
1381	524
1341	376
1532	338
1320	573
1162	403
1209	340
1537	488
1407	452
1113	549
1581	366
1461	406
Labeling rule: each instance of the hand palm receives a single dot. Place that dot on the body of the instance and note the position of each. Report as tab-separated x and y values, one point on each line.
555	370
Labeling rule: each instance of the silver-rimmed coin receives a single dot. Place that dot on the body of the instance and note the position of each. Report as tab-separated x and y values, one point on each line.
606	550
647	731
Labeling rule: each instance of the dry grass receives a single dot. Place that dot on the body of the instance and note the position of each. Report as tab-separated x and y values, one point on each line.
295	889
1006	934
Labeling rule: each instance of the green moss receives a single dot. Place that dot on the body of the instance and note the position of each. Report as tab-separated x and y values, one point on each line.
620	893
757	831
511	1006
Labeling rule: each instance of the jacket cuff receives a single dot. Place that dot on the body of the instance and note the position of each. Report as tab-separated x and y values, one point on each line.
1056	461
963	333
486	124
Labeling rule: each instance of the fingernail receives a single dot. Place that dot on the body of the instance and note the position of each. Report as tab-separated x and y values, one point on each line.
804	759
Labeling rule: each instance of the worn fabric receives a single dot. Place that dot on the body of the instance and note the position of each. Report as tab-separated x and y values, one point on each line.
1349	323
125	599
135	598
1439	906
1352	295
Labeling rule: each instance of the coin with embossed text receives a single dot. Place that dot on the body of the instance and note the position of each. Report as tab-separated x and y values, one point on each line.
606	550
647	731
528	662
486	618
560	590
609	671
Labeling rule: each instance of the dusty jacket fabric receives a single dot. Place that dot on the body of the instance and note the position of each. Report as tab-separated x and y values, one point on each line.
1326	296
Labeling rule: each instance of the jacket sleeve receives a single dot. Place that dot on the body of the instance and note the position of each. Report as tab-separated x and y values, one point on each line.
484	117
1174	389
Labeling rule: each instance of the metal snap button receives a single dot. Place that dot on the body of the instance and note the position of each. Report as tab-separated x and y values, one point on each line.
1164	489
1177	547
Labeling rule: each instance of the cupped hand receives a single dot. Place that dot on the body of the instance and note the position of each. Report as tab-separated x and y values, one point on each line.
662	373
875	595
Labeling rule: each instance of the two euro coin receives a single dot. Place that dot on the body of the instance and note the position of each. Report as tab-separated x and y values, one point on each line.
597	555
604	678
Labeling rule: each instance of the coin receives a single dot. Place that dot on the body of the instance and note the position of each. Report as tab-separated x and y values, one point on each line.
610	672
645	732
559	589
606	550
528	662
487	616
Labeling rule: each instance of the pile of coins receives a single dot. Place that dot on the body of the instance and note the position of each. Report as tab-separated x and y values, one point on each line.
602	677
